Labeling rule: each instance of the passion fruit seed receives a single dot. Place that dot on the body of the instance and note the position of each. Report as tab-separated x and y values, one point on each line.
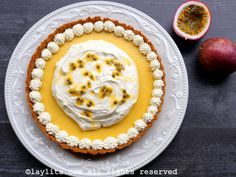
72	91
69	80
90	103
123	91
122	101
81	63
78	92
192	19
91	57
115	102
98	67
87	113
92	92
79	101
105	91
125	96
109	61
115	73
89	84
86	73
92	77
83	87
81	92
72	66
118	66
89	74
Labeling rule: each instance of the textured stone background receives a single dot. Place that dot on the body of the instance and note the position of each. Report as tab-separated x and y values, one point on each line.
205	146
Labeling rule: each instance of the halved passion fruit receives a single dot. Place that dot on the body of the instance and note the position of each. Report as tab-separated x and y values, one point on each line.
192	20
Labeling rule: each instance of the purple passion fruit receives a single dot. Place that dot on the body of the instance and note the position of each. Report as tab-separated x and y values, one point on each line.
192	20
218	55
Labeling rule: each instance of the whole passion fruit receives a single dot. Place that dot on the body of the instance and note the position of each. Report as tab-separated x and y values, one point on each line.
218	55
192	20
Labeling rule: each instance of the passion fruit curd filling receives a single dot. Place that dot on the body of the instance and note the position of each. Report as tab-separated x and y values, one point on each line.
99	84
192	19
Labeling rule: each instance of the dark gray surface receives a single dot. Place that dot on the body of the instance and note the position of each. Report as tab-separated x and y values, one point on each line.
205	144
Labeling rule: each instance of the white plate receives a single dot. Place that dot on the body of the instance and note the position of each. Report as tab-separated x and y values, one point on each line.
129	159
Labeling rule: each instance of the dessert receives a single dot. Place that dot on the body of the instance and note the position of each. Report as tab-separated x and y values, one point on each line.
95	85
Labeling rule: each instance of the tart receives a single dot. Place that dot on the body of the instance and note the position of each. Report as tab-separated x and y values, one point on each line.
95	85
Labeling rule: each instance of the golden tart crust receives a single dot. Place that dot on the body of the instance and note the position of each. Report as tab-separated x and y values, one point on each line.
37	54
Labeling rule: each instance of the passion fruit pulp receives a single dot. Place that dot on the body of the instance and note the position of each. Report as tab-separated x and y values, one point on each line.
192	20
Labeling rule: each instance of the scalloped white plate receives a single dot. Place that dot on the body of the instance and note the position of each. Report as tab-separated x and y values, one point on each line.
123	161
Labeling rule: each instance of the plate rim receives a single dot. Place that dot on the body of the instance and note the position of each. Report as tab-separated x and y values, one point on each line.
67	7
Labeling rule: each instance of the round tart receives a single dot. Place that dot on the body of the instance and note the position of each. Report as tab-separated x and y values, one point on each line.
95	85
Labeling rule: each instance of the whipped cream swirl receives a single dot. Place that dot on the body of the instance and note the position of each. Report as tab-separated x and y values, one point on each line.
96	84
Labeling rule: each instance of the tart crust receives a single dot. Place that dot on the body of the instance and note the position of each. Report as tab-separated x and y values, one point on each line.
37	54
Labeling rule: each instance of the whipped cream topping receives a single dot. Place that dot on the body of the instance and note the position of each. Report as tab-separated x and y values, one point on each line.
155	101
72	141
35	96
52	129
154	65
157	74
40	63
35	84
140	125
44	118
157	92
88	27
98	26
122	138
144	48
132	132
103	84
110	143
78	30
152	56
158	84
119	31
152	110
147	117
85	143
59	39
61	136
128	35
38	108
97	144
37	73
137	40
53	47
69	34
46	54
109	26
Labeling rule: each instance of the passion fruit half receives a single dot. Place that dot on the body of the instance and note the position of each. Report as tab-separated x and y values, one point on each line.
192	20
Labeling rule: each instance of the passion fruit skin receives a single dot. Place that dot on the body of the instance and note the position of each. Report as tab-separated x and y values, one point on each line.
182	34
218	56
